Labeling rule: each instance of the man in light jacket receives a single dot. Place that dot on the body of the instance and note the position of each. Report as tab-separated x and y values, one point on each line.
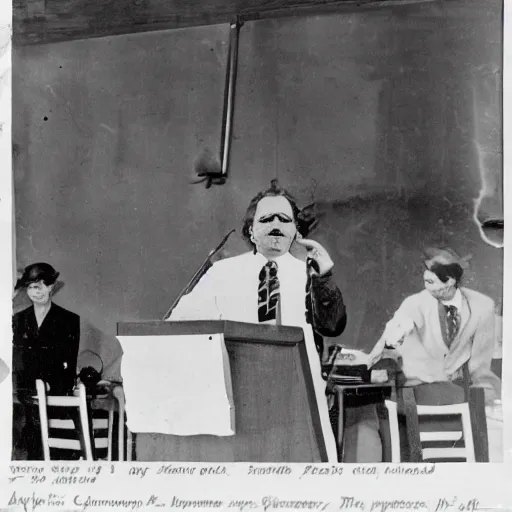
445	333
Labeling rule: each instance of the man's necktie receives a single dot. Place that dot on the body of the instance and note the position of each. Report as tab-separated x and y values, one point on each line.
452	323
268	293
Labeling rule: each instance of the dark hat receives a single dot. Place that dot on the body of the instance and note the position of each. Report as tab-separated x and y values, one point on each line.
445	256
37	272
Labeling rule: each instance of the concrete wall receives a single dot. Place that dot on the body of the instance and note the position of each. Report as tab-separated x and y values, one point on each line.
386	118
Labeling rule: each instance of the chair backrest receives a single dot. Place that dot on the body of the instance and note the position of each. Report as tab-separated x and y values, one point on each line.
446	445
78	406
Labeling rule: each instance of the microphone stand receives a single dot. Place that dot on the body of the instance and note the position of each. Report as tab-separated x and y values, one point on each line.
328	368
198	275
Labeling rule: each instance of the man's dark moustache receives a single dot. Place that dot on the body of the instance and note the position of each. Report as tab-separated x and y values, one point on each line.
275	232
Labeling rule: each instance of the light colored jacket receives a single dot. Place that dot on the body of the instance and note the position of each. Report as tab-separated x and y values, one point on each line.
427	358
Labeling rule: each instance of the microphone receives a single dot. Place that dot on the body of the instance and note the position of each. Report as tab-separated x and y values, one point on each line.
198	275
221	245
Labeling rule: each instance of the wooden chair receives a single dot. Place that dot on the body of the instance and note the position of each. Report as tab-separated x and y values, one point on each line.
468	442
73	403
444	445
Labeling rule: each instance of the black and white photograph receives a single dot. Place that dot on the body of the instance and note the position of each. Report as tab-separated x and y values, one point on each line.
257	231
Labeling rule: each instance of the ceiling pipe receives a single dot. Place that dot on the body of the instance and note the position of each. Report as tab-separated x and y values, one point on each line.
208	169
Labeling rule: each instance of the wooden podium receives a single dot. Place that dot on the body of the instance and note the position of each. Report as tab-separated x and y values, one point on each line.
276	413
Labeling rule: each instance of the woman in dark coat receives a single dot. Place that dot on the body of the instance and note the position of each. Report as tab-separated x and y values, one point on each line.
45	346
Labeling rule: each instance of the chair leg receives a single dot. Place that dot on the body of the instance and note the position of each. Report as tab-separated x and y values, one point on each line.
110	431
341	423
86	430
118	393
479	423
408	404
43	417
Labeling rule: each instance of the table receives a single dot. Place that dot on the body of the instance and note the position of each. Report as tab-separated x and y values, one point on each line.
358	389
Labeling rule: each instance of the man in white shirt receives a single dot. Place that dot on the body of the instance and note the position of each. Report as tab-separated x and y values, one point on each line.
306	295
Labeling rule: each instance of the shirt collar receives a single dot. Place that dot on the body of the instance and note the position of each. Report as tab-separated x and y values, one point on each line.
280	260
455	301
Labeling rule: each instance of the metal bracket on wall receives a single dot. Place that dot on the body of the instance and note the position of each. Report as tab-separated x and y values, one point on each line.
210	171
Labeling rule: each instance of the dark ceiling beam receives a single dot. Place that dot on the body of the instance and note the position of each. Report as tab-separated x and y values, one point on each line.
46	21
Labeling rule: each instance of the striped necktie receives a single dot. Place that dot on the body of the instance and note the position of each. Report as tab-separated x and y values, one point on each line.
268	293
452	323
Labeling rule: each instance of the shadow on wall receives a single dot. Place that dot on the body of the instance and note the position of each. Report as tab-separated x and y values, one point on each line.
377	242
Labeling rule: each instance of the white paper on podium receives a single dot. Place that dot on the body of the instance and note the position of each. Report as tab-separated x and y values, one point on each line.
178	385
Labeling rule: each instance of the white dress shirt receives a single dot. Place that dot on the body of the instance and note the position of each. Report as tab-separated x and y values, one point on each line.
456	301
229	291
